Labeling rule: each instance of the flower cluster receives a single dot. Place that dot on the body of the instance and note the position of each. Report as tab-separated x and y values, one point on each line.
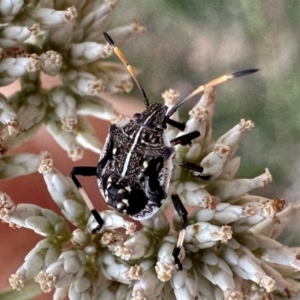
64	40
229	249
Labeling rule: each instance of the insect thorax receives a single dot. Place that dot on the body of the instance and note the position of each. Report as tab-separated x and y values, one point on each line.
134	168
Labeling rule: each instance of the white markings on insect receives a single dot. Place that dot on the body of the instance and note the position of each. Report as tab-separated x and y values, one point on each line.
145	164
133	146
128	188
121	191
125	201
120	205
114	151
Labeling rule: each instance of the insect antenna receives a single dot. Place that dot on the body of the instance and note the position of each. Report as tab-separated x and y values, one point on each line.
211	83
130	69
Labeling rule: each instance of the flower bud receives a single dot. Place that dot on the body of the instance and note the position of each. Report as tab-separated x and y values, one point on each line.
88	52
122	34
213	163
52	62
9	8
237	187
13	68
233	137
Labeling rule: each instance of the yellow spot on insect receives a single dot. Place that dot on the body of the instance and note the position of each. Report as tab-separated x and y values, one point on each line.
145	164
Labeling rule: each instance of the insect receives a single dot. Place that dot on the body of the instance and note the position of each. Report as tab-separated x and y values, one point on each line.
135	166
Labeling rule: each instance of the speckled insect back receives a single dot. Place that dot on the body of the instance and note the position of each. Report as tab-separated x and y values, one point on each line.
135	166
136	180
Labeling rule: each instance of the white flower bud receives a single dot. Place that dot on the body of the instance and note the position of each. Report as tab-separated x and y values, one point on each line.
84	83
273	227
148	286
193	195
233	137
273	251
44	253
203	235
282	285
157	223
219	273
18	164
48	17
13	68
192	153
8	116
117	79
95	107
79	237
184	285
141	244
213	162
66	140
88	52
244	264
82	288
52	62
114	268
230	168
113	290
122	34
9	8
87	136
11	36
196	122
207	102
43	221
95	22
67	197
165	266
237	187
61	293
170	99
64	107
69	267
226	213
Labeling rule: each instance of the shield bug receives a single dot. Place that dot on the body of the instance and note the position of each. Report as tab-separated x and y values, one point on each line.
135	166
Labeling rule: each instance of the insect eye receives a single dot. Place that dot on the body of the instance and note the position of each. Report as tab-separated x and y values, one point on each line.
137	116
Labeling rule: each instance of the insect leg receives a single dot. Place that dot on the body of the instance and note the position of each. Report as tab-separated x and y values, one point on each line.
176	124
185	139
87	171
180	209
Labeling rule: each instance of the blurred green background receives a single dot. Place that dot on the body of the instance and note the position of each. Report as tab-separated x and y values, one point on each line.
190	42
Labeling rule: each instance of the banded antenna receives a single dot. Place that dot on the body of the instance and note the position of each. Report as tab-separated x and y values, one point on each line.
130	69
211	83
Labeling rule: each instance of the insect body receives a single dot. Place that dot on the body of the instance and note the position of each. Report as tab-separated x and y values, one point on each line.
135	166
